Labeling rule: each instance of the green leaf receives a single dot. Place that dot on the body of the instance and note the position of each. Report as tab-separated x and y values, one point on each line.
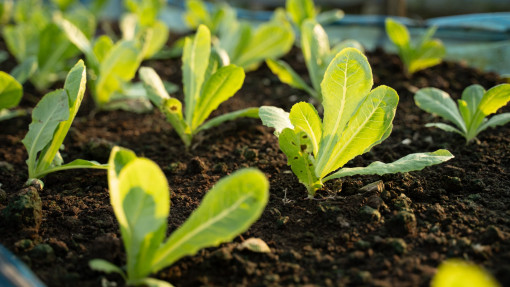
304	117
170	107
160	32
10	91
472	95
300	10
346	84
102	47
270	41
366	127
78	38
236	40
287	75
118	67
196	14
411	162
227	210
445	127
51	110
155	88
329	16
75	164
195	59
105	266
152	282
143	192
435	101
25	70
63	4
497	120
429	54
397	33
494	99
248	112
22	40
219	87
9	114
276	118
298	148
74	86
315	46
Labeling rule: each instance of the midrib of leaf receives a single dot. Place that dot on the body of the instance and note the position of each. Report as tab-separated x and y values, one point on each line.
161	256
354	135
338	119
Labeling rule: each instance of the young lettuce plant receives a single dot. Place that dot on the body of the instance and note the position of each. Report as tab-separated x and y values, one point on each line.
112	67
143	16
356	118
205	88
11	92
470	117
300	10
41	49
141	202
317	54
238	42
415	56
51	119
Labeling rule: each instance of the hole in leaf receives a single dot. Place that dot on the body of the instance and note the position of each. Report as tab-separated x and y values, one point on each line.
303	147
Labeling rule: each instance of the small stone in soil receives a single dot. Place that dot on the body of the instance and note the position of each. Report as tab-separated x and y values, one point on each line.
370	214
492	234
25	211
196	166
375	201
397	245
250	154
402	202
374	187
401	224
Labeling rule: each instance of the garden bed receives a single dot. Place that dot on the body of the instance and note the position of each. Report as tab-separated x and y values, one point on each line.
455	209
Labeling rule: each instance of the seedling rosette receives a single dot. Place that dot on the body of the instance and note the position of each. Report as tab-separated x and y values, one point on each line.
470	116
140	198
356	118
51	120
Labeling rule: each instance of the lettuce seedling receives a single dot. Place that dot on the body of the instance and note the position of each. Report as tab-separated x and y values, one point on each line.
141	202
415	56
298	11
143	16
238	42
317	54
205	88
356	118
36	41
469	117
51	119
11	92
112	65
215	18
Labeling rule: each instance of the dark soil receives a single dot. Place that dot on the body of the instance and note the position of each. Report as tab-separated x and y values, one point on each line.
392	233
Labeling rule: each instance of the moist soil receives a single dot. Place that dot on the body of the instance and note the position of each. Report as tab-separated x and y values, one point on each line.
389	230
